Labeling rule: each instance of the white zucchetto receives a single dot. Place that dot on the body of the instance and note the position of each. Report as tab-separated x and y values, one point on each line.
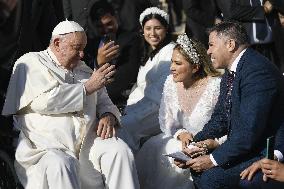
65	27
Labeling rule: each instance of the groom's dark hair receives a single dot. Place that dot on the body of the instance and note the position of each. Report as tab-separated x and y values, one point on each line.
232	30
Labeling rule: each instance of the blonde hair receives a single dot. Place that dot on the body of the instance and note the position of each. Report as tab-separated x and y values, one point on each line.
205	65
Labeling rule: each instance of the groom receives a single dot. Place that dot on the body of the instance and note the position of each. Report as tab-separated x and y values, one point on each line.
250	108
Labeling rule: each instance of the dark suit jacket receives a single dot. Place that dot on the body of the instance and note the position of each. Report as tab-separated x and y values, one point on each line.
243	12
200	15
257	111
77	10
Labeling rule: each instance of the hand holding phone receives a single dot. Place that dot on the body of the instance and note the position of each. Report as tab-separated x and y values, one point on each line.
179	156
107	52
108	38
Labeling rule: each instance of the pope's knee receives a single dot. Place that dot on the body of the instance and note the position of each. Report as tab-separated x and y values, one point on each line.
56	161
110	148
120	148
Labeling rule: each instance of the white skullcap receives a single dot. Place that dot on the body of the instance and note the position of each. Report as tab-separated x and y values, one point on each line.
65	27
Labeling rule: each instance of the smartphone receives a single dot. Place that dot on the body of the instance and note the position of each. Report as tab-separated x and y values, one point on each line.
179	156
109	37
270	147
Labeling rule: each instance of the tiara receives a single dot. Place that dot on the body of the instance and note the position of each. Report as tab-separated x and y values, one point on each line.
153	10
187	45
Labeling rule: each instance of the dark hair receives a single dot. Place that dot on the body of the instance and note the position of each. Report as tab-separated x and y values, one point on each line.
99	9
205	66
148	52
232	30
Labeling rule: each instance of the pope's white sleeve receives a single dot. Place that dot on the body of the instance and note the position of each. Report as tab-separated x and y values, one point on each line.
104	104
64	98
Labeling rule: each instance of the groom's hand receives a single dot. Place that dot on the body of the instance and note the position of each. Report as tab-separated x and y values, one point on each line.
180	164
200	163
250	171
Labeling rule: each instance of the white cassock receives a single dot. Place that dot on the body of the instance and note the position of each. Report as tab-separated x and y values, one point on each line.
58	147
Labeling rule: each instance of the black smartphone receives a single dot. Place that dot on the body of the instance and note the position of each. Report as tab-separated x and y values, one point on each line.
109	37
270	147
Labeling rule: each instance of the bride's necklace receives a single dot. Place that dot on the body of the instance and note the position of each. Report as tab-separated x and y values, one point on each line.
194	89
189	97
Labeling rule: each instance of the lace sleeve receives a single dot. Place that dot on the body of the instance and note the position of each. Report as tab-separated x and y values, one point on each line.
168	123
214	90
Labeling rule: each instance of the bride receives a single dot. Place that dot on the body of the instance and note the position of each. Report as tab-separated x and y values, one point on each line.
189	96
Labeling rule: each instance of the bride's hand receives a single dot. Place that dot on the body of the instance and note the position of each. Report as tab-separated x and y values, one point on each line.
210	144
185	138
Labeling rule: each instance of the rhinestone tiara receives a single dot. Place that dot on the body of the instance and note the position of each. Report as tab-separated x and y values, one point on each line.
153	10
187	45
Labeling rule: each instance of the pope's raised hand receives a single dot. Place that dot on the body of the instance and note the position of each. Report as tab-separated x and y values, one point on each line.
100	78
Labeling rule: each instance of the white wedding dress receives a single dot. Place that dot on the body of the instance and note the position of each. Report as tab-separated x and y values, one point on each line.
156	170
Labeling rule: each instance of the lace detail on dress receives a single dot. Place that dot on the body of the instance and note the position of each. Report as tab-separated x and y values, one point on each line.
169	102
171	115
188	98
156	170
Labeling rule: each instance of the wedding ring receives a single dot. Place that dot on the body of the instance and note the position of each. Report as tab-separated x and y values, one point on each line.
270	172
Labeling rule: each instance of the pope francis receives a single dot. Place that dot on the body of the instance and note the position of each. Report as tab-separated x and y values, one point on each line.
66	120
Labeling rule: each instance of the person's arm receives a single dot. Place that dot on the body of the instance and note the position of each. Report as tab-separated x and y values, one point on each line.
108	115
250	171
257	90
64	98
272	169
105	105
233	10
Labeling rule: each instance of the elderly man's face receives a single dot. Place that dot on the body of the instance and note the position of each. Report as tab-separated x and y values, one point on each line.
218	51
71	49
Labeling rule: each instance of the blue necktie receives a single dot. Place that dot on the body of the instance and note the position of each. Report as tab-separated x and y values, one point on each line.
261	27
